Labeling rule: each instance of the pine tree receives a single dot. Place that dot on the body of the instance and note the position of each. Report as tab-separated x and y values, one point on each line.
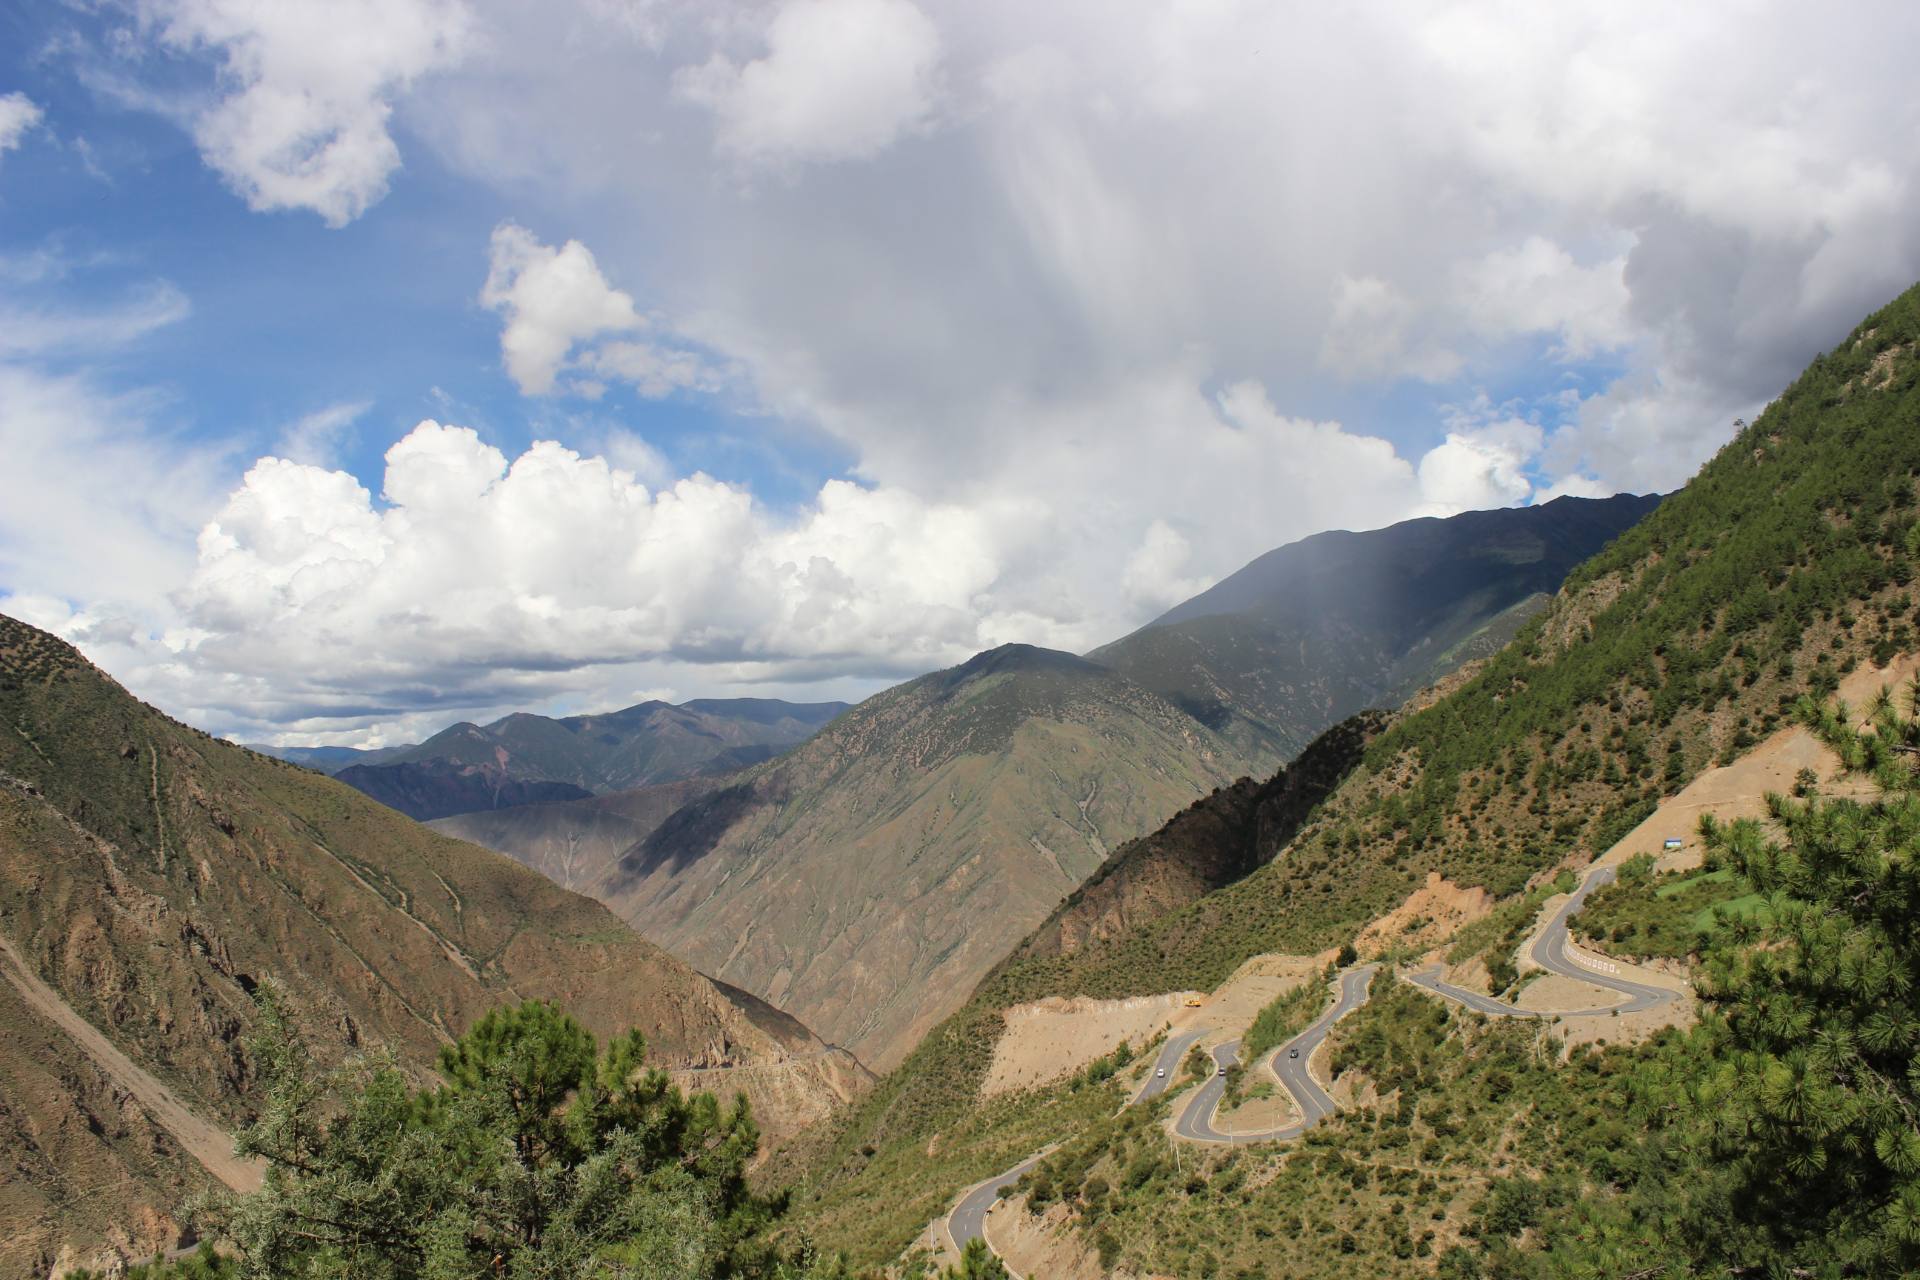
540	1155
1813	1096
977	1262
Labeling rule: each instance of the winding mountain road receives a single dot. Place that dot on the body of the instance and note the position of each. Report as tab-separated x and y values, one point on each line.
1288	1063
1550	952
969	1218
1167	1065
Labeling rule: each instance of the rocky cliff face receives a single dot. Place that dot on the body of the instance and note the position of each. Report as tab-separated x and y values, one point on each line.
1217	840
152	877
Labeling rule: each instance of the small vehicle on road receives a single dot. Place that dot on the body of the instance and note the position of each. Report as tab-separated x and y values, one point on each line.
1161	1073
1293	1053
1223	1071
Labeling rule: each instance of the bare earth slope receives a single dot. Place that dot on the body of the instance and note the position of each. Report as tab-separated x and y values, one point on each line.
866	880
152	877
574	842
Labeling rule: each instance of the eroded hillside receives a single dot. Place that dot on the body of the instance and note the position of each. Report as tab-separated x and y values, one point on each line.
153	877
867	879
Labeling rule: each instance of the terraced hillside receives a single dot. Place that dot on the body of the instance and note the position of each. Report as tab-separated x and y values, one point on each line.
1787	561
152	877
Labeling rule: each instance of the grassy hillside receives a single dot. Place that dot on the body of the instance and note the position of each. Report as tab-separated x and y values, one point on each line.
1783	563
153	877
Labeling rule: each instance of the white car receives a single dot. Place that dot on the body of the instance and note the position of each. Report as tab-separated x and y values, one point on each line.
1162	1073
1223	1071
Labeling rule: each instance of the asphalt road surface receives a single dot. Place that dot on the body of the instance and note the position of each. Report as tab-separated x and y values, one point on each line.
1196	1121
969	1217
1550	953
1169	1061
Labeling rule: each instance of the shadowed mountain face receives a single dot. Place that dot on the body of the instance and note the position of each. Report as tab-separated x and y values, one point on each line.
866	879
529	759
429	789
1217	840
1310	633
152	877
574	842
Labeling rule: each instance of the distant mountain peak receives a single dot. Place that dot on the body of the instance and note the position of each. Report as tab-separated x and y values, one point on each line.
1014	659
1314	631
524	757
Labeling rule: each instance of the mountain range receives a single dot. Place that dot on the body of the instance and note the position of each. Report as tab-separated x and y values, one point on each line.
1339	622
869	877
1032	830
153	879
532	759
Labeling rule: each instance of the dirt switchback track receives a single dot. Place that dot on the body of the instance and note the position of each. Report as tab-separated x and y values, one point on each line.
208	1143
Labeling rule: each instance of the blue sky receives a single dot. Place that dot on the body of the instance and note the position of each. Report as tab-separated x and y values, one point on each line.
870	332
290	317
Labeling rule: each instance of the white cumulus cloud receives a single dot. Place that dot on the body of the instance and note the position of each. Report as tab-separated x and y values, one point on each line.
555	302
303	120
477	564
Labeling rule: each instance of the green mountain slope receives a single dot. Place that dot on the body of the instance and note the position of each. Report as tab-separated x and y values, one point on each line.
152	877
1316	630
867	879
530	759
1786	561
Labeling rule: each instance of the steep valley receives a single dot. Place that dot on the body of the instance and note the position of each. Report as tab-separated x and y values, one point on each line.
867	879
872	875
153	878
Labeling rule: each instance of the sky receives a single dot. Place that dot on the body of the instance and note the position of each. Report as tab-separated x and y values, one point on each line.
367	365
